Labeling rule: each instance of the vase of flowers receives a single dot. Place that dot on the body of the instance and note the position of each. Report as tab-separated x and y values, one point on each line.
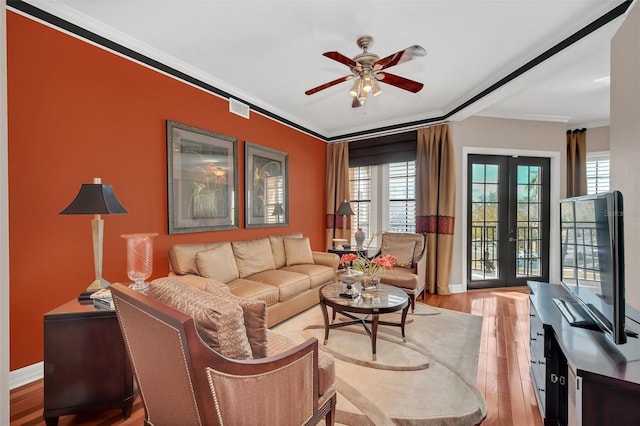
371	269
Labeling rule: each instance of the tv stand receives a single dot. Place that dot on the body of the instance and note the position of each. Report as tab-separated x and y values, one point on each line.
579	376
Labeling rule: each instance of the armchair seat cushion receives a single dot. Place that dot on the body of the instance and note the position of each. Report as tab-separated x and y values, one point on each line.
401	277
277	344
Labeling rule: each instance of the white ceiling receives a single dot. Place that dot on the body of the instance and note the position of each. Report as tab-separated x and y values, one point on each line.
267	53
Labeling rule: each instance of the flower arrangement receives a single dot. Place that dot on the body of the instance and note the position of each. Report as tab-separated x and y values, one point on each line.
370	267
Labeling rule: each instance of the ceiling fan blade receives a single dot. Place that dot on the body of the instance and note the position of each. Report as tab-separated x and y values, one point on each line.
405	55
401	82
329	84
336	56
356	102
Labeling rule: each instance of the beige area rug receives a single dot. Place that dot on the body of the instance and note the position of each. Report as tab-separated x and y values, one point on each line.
427	380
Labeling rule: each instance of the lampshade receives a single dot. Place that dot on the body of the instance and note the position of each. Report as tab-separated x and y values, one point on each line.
345	209
95	198
277	210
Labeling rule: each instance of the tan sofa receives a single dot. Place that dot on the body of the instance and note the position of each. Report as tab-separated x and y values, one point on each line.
281	270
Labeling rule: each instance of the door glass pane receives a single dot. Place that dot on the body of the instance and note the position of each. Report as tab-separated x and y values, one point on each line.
484	221
528	222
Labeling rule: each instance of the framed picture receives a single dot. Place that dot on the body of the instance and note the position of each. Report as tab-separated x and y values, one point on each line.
266	186
202	180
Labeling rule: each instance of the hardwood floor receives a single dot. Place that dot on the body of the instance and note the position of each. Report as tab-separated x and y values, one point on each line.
503	367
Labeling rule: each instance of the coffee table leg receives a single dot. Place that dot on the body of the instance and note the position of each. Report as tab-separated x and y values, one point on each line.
402	322
326	321
374	334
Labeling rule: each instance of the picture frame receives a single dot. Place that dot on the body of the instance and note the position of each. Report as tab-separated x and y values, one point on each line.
202	180
266	186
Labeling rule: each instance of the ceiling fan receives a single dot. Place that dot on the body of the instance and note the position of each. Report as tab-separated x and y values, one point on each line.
369	69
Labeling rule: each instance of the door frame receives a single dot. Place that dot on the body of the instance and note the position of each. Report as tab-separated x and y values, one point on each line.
557	181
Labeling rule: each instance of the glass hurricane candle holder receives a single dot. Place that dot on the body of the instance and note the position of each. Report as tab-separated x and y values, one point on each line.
139	259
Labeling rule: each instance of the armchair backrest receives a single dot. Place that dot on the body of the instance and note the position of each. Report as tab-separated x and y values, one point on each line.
407	247
184	381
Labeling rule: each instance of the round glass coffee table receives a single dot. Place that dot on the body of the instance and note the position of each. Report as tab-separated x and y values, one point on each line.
365	308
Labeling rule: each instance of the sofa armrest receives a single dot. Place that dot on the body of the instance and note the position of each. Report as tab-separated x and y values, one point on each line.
328	259
198	281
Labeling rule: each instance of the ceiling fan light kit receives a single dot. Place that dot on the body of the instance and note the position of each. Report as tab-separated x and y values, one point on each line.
366	68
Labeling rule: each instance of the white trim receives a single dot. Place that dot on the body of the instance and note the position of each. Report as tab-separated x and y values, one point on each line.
457	288
26	375
554	201
4	225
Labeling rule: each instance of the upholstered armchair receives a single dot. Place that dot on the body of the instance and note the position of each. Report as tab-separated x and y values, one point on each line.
410	271
183	381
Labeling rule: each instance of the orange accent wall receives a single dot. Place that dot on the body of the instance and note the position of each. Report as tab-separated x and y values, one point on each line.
77	112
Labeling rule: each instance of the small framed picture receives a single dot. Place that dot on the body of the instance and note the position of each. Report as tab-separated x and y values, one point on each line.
266	186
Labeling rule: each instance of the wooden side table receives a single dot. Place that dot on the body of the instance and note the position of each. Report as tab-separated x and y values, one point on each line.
86	366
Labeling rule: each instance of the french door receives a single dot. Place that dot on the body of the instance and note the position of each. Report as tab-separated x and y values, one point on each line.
508	220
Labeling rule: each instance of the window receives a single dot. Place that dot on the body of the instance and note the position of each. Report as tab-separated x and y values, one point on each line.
383	198
402	197
597	172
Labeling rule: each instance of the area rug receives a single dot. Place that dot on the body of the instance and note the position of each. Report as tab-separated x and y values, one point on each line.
427	380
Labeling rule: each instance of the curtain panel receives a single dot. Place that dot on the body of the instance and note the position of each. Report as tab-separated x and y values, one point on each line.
435	202
576	162
337	190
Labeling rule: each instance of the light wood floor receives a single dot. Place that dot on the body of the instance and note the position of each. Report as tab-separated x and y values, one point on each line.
503	368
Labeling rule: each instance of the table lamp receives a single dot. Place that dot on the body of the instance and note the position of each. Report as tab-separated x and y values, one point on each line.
345	210
97	199
277	211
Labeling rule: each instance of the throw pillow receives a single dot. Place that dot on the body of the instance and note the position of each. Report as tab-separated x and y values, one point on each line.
217	263
253	256
277	248
219	321
298	251
255	319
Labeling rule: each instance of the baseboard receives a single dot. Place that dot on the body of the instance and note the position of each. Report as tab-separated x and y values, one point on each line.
26	375
457	288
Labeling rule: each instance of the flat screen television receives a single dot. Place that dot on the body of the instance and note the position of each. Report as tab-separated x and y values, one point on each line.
592	250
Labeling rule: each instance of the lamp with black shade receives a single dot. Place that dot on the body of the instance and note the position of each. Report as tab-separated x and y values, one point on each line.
97	199
345	210
277	212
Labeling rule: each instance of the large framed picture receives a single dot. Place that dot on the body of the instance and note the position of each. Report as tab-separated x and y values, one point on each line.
202	179
266	186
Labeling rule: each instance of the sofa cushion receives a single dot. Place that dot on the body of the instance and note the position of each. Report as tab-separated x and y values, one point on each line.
400	246
219	321
255	319
289	284
318	274
277	247
254	290
253	256
182	257
298	251
277	344
218	263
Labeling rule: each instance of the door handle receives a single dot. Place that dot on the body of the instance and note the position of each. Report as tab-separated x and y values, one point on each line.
511	239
